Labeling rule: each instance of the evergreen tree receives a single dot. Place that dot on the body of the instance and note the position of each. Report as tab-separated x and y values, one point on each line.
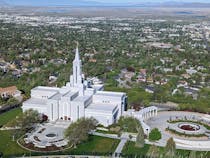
140	138
153	152
170	149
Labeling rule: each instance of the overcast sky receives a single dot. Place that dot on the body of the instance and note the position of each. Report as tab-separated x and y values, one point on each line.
74	2
134	1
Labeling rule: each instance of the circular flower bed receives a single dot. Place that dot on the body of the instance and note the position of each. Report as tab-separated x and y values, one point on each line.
189	127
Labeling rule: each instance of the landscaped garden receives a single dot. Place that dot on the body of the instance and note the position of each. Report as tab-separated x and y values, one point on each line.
95	145
206	125
172	131
193	127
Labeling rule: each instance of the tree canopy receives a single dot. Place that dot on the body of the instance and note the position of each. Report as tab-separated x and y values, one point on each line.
154	134
78	131
140	137
170	149
129	124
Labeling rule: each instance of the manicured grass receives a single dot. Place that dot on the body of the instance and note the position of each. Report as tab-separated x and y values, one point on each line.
9	147
95	146
131	150
10	115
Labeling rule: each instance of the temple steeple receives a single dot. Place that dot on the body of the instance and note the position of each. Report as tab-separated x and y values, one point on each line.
77	54
76	77
77	68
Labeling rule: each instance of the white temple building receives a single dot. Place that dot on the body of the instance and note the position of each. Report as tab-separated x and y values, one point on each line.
78	98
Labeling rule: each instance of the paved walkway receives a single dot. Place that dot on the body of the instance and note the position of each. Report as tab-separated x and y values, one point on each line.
113	136
160	122
124	139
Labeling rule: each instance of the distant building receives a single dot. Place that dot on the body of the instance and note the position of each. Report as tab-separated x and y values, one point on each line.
9	91
191	71
150	89
142	77
4	66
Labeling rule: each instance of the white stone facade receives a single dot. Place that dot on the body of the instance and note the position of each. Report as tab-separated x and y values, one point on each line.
143	115
77	99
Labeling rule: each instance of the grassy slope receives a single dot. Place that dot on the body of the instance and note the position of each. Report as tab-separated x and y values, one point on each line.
98	144
8	116
130	149
9	147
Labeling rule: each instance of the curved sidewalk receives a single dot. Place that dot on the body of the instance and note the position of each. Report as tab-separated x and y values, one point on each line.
160	122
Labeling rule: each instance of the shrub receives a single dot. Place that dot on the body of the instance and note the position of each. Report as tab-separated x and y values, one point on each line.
154	135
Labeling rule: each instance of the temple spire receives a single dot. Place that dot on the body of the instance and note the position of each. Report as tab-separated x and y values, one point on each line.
77	52
77	69
76	79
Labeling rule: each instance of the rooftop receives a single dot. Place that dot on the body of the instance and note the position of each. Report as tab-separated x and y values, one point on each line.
113	94
42	88
82	98
57	96
36	101
8	89
70	94
108	108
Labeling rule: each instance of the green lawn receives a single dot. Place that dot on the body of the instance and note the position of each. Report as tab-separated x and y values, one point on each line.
96	145
131	149
10	115
9	147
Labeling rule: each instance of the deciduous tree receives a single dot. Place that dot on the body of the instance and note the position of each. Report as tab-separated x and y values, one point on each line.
78	131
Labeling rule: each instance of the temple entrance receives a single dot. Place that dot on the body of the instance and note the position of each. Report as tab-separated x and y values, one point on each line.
65	118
